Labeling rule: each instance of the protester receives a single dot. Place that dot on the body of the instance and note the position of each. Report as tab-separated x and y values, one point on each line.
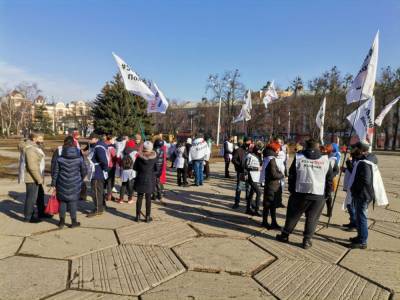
76	135
328	150
128	174
190	165
348	203
228	150
33	166
67	177
181	164
310	181
171	153
160	150
253	167
98	172
138	142
145	182
207	160
362	190
238	162
272	186
198	153
112	164
120	144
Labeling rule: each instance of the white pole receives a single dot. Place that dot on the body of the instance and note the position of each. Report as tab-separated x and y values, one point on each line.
219	120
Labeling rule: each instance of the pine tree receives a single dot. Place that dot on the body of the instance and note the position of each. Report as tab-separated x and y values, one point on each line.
42	121
118	112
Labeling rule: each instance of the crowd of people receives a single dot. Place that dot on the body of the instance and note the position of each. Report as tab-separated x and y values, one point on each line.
261	171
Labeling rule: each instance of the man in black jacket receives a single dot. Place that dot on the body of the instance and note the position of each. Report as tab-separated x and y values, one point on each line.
362	191
239	164
310	181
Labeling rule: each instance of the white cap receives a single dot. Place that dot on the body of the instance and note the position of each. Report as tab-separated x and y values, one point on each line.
189	140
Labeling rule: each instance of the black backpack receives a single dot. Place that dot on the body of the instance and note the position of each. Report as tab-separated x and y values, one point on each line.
127	162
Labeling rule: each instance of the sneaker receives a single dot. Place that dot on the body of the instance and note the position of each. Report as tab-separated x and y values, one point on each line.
61	224
235	206
359	246
307	244
75	224
284	238
94	214
354	240
148	219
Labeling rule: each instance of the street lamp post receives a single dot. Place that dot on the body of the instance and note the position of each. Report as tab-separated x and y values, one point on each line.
219	120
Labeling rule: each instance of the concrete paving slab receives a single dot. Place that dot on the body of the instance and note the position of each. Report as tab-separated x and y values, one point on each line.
199	285
69	243
321	251
391	229
213	227
290	279
81	295
380	266
125	269
223	254
31	278
9	245
376	240
394	203
384	215
166	234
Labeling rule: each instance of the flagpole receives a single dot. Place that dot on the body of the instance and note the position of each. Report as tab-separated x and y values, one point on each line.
219	119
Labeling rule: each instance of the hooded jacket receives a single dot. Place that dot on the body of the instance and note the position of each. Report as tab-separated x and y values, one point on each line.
362	187
310	154
67	174
146	169
161	151
100	160
273	175
238	159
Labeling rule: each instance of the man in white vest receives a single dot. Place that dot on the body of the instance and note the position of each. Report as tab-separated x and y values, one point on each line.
310	181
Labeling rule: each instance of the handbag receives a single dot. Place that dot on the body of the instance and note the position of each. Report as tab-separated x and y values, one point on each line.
53	206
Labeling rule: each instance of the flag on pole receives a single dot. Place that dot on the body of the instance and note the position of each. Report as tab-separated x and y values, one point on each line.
362	120
247	100
244	115
270	95
385	110
363	85
320	120
159	103
132	81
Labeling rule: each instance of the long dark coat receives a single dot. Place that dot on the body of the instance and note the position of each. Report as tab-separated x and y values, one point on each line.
146	170
273	175
67	174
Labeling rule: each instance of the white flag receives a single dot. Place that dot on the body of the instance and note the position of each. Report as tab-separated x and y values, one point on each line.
320	120
132	81
270	95
159	103
384	111
362	120
363	85
244	115
247	100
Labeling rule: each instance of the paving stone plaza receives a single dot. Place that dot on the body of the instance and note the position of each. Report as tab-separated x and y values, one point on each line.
197	247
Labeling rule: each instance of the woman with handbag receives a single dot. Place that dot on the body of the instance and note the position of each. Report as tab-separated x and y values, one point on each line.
67	176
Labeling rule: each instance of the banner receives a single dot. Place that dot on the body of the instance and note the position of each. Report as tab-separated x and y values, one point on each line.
320	120
247	100
132	81
385	110
270	95
363	120
363	85
199	149
159	103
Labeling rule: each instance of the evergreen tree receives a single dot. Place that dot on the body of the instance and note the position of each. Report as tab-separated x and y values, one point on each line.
118	112
42	121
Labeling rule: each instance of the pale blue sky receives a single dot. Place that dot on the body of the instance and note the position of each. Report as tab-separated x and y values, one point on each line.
66	45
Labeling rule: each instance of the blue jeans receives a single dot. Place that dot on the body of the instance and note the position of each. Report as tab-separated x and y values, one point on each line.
361	220
352	214
198	171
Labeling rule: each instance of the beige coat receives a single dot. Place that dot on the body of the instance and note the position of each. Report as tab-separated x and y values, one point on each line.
33	158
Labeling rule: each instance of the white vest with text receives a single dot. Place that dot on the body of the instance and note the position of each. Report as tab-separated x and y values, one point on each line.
311	174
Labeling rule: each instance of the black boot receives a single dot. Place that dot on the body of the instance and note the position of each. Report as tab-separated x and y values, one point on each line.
148	219
307	244
283	237
61	224
236	205
274	224
256	212
75	223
